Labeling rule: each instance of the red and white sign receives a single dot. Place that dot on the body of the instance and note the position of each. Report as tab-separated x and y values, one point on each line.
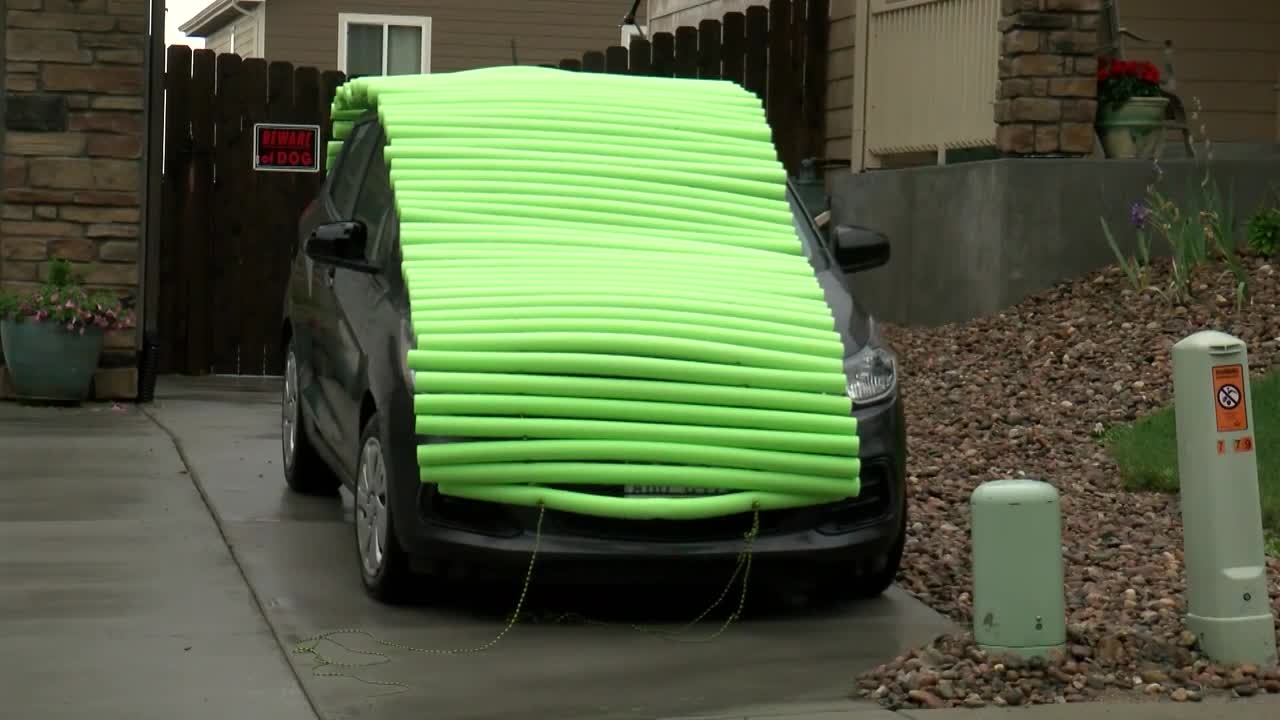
286	148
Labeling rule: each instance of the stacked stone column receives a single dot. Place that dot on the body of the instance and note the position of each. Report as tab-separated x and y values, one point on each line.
73	173
1047	100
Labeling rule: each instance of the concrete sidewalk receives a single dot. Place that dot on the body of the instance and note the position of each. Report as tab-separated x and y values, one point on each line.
118	596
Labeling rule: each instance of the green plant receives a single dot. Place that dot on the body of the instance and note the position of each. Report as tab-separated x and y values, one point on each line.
1136	268
1263	231
64	301
1204	230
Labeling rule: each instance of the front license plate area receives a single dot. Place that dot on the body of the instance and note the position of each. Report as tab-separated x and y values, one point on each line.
669	491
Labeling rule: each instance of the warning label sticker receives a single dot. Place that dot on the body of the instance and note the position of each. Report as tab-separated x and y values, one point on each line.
1228	395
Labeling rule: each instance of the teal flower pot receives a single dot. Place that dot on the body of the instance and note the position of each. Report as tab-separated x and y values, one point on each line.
47	363
1133	129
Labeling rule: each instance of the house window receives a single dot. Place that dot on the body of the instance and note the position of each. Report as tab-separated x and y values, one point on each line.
383	44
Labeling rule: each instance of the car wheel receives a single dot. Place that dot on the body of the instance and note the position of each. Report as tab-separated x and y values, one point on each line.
304	471
384	567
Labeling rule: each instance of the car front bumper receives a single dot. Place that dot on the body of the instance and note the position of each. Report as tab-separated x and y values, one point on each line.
457	536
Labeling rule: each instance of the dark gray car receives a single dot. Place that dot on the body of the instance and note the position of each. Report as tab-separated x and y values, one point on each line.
348	419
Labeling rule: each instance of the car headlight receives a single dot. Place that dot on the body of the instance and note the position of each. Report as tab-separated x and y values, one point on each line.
872	372
408	341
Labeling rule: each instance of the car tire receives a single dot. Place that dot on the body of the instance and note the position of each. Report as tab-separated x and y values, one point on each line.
384	566
304	471
873	576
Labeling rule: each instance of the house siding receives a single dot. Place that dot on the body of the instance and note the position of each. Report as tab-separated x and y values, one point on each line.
220	41
1226	55
241	35
465	34
667	15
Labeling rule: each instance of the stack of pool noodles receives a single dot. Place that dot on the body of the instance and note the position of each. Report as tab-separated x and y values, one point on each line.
607	289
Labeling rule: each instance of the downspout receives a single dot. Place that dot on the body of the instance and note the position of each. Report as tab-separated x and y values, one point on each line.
152	156
4	112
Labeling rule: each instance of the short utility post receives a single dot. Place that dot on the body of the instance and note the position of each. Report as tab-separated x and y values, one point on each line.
1018	599
1227	604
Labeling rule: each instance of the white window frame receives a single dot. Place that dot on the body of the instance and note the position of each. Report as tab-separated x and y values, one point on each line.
386	21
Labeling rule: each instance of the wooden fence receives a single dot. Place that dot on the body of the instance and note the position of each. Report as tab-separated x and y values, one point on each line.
778	52
228	232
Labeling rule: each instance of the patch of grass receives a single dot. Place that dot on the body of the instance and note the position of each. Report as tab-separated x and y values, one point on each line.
1147	452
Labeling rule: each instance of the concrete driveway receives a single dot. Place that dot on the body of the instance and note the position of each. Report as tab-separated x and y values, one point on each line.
297	554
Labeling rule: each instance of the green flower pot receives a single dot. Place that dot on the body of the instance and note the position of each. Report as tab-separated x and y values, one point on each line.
1134	128
49	364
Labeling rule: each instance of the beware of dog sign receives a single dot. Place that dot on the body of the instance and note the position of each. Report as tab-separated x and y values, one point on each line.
286	148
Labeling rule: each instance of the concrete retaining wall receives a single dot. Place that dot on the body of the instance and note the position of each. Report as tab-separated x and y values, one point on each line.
972	239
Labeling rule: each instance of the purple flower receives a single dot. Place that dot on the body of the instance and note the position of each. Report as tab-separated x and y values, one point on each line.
1138	214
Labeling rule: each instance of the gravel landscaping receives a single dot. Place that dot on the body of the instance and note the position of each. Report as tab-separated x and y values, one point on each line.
1031	392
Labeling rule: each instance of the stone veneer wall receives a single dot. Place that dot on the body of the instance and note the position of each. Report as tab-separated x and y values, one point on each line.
1047	100
74	134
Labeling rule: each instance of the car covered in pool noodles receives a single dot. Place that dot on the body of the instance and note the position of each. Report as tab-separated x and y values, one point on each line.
585	311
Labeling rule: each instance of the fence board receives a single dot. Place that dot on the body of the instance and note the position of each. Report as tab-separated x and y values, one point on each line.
330	81
778	85
177	131
640	57
733	47
686	52
709	50
815	79
795	140
196	233
229	233
224	252
615	60
756	64
664	54
269	246
593	61
306	111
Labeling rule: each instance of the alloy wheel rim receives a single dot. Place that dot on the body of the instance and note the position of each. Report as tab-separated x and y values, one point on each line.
289	411
371	507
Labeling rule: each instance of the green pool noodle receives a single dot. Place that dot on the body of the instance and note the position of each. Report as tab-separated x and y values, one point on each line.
690	319
651	328
428	382
604	343
562	429
606	288
538	274
500	298
501	252
567	165
467	453
566	473
624	366
481	405
626	286
635	508
418	240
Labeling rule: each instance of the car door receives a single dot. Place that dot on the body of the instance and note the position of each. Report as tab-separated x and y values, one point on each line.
360	298
339	205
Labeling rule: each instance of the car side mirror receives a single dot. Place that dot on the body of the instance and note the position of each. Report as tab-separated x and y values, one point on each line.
857	248
340	243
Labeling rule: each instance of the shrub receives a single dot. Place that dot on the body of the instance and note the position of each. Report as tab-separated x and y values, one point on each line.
1264	231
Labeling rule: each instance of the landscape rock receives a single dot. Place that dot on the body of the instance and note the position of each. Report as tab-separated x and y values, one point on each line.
1032	392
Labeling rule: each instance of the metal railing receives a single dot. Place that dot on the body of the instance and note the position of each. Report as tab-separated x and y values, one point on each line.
930	72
